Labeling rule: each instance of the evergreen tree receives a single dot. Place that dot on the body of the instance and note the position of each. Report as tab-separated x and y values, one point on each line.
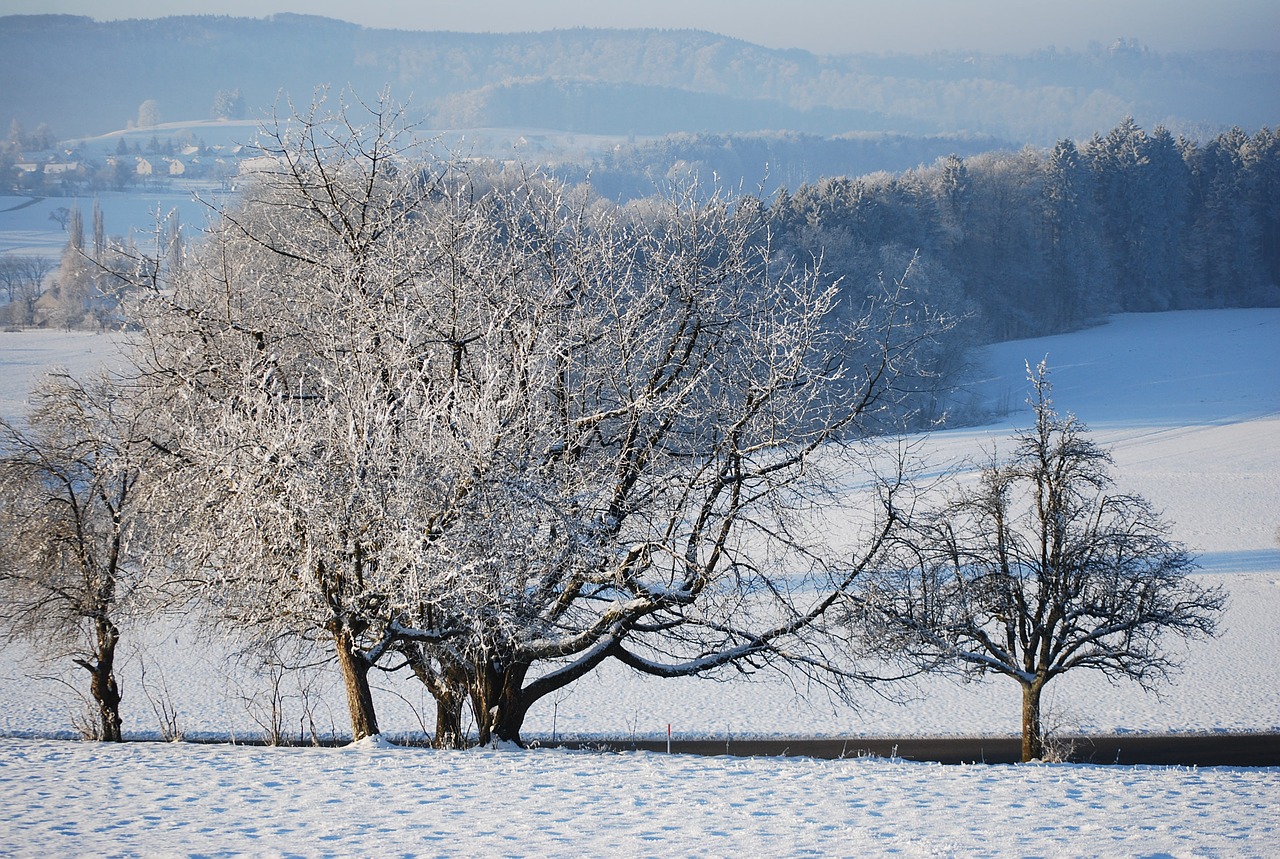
1261	157
99	233
1223	271
1074	285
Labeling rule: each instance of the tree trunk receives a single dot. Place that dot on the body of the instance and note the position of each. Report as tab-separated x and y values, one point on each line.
499	701
102	683
448	685
1032	738
449	722
355	677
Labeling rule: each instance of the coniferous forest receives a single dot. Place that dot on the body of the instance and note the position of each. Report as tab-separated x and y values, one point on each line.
1037	241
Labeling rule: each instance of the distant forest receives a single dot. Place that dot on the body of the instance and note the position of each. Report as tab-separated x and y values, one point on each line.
1041	241
1019	242
1010	243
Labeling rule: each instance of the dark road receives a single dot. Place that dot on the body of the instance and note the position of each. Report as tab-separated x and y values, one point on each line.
1204	750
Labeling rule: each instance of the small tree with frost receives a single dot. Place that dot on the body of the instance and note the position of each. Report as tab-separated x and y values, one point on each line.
1039	568
69	524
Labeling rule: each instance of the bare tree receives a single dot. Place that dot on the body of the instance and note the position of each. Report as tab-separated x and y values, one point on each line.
293	391
1040	568
506	431
23	280
69	516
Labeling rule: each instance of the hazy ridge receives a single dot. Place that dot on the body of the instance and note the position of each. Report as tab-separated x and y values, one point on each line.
86	77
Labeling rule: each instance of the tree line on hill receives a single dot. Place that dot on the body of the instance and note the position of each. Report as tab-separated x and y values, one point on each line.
1017	243
1011	244
1038	242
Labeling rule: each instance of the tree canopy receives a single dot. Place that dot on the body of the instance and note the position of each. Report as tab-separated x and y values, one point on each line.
486	426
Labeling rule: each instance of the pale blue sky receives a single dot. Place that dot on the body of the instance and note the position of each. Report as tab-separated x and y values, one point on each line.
823	26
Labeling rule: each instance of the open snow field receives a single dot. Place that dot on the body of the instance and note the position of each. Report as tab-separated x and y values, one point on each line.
62	798
27	228
1189	403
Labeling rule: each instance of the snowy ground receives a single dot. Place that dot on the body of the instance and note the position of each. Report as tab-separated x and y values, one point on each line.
148	799
1190	404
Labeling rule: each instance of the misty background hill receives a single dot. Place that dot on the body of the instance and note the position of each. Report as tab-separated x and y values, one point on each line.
83	77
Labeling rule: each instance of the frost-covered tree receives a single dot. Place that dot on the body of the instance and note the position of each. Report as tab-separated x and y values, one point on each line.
1076	277
149	114
228	104
99	233
293	387
678	401
73	283
1040	568
22	278
69	523
504	432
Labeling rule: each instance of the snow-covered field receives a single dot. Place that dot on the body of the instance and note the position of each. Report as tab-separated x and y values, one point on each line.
1190	404
148	799
1215	473
27	228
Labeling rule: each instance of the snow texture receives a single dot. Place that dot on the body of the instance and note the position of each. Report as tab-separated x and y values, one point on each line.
144	799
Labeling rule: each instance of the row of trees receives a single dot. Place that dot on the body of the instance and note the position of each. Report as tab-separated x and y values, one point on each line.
492	431
22	279
82	288
1021	243
771	160
41	139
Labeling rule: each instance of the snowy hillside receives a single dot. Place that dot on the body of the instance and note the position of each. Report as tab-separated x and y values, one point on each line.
1190	404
